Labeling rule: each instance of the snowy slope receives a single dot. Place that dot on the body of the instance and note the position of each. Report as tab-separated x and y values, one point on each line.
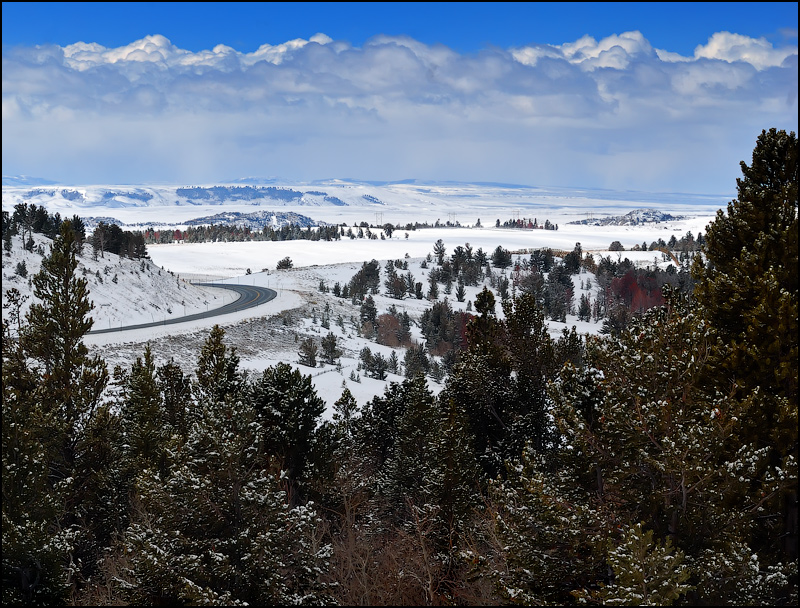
142	292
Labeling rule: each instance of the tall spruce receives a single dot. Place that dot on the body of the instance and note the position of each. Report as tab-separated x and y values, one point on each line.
145	423
35	549
72	381
288	408
748	288
51	404
749	283
218	375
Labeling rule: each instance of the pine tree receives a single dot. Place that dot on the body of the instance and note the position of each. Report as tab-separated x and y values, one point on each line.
369	312
218	375
308	352
748	288
433	289
217	528
749	285
646	573
461	292
35	548
56	325
428	484
500	380
288	409
584	308
645	440
485	302
146	427
344	409
330	350
58	387
439	251
176	390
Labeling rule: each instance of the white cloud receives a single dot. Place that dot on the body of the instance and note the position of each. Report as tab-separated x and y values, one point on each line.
734	47
581	111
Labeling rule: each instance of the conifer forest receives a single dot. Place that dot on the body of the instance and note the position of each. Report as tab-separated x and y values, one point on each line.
653	464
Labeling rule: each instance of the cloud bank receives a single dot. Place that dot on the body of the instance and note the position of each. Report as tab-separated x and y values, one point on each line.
610	113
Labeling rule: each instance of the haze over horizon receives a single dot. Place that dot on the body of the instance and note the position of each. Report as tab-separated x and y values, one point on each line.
606	109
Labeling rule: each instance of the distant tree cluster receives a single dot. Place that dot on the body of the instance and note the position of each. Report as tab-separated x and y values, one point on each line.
215	233
28	219
110	238
687	243
526	224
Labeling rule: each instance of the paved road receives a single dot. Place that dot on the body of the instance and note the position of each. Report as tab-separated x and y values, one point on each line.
249	297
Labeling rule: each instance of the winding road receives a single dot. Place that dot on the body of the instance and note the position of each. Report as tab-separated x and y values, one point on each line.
250	296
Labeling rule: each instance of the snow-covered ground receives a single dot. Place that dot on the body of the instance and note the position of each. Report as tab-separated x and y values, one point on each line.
271	333
124	291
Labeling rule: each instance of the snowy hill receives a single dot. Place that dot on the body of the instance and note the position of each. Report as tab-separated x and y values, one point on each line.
632	218
255	221
124	291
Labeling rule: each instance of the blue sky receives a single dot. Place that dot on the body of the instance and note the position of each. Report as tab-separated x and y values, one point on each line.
463	26
644	96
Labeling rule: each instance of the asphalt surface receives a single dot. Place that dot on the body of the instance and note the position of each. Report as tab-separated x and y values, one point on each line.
250	296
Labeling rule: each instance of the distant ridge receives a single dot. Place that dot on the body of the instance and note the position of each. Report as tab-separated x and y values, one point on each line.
256	220
636	217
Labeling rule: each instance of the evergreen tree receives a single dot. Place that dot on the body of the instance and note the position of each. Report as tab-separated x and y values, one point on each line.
484	303
439	251
645	441
428	484
50	375
501	257
584	308
330	350
217	528
748	288
288	409
344	409
369	312
308	352
500	382
433	289
645	572
53	338
461	292
749	284
176	390
146	427
35	548
218	375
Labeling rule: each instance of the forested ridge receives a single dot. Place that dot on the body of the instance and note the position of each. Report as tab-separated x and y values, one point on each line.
655	464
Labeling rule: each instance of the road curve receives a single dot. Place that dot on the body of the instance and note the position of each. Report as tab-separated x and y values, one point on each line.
250	296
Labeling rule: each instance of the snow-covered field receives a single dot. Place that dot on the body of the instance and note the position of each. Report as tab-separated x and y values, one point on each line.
272	332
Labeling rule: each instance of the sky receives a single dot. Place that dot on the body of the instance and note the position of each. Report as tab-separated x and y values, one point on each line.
657	97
